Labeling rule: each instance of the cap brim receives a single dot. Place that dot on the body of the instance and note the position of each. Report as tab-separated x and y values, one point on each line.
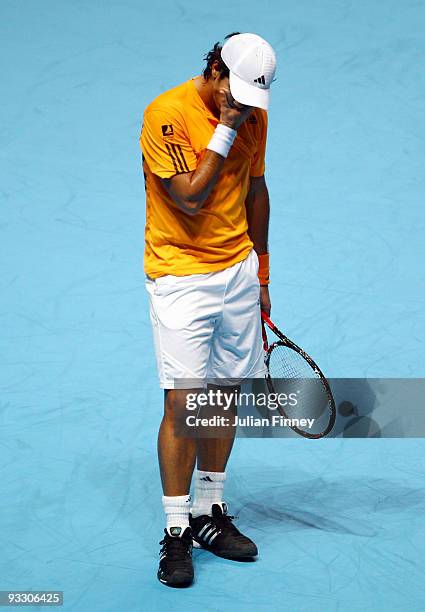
244	93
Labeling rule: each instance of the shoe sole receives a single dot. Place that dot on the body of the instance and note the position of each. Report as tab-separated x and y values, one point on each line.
232	557
178	584
178	581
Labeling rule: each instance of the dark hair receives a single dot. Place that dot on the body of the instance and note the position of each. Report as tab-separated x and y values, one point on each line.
215	56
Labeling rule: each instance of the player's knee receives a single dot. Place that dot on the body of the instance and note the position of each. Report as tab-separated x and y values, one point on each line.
176	402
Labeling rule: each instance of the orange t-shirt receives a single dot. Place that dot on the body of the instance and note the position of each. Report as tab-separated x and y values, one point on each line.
177	127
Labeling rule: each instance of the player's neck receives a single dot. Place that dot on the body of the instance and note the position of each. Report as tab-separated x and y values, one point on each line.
205	91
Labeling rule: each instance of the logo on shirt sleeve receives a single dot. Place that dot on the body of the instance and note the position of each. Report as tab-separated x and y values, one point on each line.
167	130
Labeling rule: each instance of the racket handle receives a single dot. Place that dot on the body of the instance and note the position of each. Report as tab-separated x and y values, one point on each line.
263	331
266	319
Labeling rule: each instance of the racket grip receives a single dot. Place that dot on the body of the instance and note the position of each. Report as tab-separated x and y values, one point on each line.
263	331
266	319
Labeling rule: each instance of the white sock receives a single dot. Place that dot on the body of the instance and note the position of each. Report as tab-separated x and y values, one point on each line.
208	491
176	510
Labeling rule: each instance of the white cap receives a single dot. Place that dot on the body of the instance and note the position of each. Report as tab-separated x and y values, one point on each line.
252	65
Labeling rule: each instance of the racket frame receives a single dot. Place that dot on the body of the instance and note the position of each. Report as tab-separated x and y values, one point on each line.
285	341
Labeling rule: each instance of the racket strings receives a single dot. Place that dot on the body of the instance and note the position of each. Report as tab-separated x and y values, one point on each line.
284	362
291	374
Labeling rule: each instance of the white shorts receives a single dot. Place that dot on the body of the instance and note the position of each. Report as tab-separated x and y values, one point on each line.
207	325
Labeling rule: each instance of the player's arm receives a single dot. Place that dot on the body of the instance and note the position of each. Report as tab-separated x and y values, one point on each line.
258	213
190	190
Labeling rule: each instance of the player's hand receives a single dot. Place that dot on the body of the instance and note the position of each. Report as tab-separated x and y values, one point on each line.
265	302
232	113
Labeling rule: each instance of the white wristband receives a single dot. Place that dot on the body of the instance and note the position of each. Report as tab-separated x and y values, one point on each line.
222	140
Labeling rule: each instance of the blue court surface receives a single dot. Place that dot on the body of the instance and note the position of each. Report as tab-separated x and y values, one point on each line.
339	523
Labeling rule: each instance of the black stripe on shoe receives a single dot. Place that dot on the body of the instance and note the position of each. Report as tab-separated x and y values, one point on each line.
218	534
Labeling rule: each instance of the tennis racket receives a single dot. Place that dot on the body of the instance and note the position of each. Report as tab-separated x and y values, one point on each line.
292	372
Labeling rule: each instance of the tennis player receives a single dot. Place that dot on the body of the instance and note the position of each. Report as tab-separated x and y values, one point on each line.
207	271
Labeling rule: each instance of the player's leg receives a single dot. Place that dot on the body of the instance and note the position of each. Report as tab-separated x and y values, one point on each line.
212	456
177	457
176	454
176	462
213	453
237	353
183	324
